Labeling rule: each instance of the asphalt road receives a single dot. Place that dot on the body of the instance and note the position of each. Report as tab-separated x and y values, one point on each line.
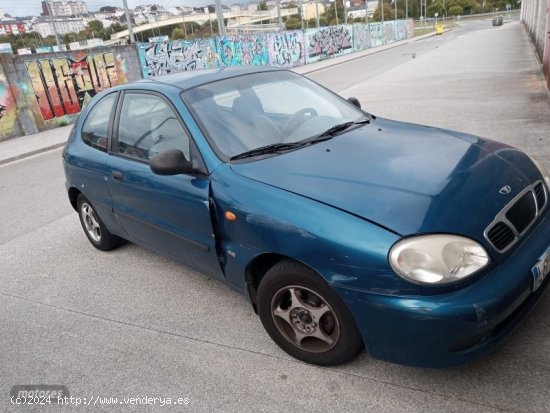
130	323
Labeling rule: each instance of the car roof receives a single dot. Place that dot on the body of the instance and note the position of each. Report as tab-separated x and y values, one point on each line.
192	78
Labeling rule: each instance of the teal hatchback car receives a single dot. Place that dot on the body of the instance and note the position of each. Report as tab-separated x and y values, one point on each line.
347	231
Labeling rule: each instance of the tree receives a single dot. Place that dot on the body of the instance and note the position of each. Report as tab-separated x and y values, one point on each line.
330	12
95	26
177	34
389	13
437	7
455	11
293	22
262	6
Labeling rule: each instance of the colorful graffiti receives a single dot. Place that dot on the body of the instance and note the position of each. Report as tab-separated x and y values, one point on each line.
286	49
247	50
389	31
400	30
377	34
62	86
281	49
328	42
8	109
177	56
361	37
409	24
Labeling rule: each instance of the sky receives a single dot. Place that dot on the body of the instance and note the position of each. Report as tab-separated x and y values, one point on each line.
34	7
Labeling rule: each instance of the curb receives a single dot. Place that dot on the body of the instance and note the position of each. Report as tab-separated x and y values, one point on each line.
31	153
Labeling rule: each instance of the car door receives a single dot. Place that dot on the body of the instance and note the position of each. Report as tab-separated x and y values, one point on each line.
168	213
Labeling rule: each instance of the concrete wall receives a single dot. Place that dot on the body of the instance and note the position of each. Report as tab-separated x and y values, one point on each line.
282	49
534	15
42	91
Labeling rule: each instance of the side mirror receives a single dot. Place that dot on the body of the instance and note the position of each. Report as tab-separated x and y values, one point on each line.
170	162
355	101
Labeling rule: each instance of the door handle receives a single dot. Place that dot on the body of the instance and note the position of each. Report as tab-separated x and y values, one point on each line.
117	176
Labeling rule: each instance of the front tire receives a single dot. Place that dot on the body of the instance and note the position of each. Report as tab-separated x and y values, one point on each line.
95	230
305	316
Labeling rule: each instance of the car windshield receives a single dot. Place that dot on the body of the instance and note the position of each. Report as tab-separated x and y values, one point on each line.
253	111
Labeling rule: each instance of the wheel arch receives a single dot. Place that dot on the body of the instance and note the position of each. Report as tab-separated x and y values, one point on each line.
259	266
73	196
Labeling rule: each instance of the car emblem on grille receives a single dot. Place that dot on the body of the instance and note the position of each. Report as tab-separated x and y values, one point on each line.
505	190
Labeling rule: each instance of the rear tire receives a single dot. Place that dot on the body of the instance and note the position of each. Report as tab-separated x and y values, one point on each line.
306	317
93	227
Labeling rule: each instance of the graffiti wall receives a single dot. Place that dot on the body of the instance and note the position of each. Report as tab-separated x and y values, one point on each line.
8	109
328	42
389	32
377	34
63	85
176	56
246	50
280	49
286	49
361	37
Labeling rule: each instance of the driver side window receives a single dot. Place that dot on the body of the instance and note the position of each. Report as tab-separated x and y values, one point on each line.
149	126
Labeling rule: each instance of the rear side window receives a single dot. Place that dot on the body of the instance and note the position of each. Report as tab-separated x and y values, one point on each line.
96	126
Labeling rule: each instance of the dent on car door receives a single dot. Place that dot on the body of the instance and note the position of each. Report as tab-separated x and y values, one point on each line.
168	213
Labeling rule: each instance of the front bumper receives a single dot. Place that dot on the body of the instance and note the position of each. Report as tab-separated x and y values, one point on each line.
452	329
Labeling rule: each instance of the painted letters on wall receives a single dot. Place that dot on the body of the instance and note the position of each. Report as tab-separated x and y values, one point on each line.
8	110
62	86
177	56
286	49
327	42
247	50
280	49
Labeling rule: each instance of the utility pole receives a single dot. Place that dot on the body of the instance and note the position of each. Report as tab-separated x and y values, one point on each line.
382	9
317	12
53	26
336	12
219	13
366	11
345	11
395	10
279	18
128	21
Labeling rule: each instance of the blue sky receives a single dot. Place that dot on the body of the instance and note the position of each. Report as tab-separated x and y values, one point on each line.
34	7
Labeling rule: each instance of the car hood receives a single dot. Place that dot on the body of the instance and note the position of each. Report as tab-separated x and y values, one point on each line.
406	178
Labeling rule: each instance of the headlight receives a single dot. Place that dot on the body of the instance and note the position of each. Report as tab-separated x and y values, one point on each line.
544	172
437	259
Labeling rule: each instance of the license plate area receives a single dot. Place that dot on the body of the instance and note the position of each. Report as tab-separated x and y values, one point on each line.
541	269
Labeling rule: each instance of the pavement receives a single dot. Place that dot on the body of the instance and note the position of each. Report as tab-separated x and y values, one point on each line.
29	145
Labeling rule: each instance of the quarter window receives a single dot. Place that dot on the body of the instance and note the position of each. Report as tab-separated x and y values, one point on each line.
96	127
149	126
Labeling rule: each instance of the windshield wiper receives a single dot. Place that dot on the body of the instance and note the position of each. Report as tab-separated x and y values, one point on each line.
281	147
333	130
264	150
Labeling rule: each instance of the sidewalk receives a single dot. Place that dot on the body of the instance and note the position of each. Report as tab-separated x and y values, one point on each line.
25	146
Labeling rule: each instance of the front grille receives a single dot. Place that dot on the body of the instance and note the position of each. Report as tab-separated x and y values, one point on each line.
501	235
540	195
516	217
523	212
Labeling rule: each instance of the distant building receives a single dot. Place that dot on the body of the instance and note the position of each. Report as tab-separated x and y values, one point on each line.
12	28
63	26
310	10
59	8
